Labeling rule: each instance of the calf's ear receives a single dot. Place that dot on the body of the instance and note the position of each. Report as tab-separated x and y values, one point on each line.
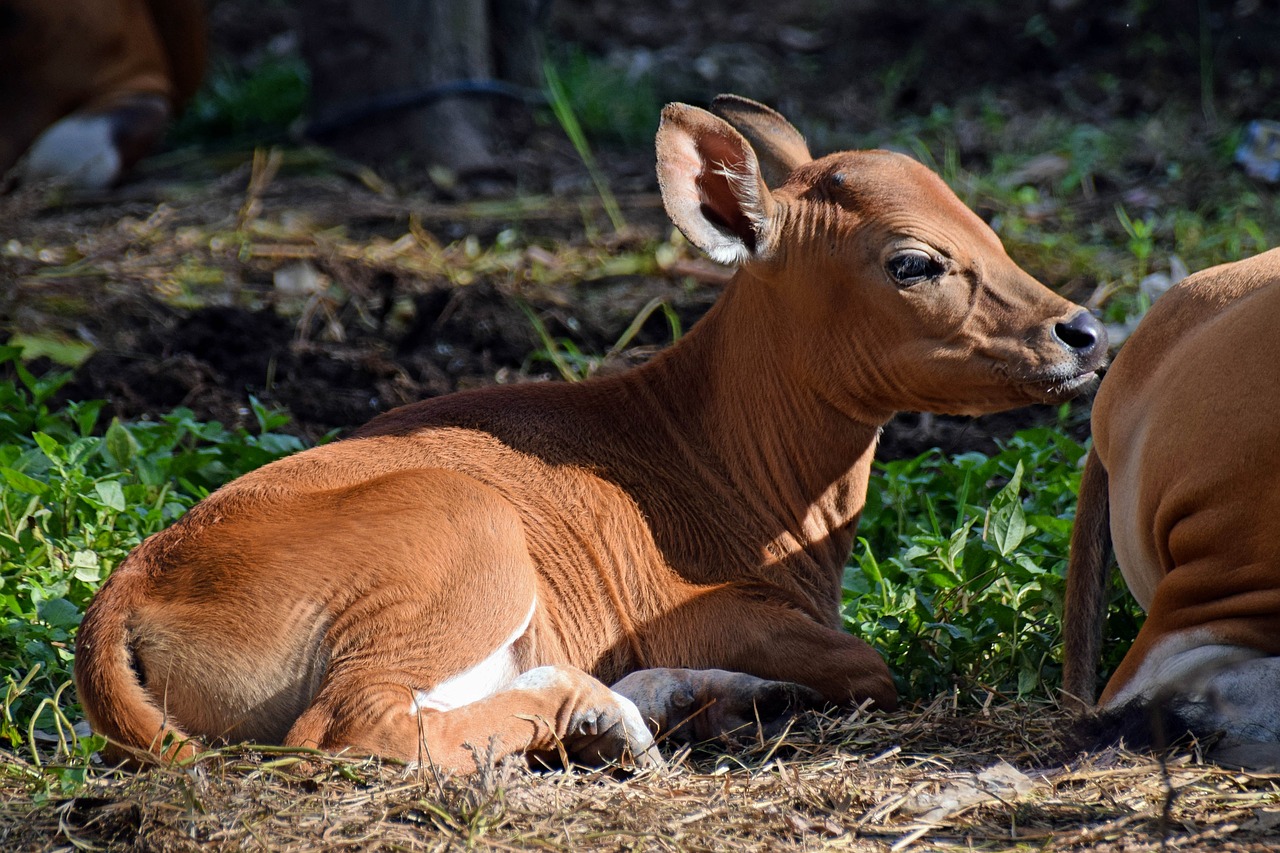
776	141
712	187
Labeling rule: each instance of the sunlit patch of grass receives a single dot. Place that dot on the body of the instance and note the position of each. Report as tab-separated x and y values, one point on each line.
959	574
76	496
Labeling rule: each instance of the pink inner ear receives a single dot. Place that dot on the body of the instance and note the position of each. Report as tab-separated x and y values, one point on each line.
721	203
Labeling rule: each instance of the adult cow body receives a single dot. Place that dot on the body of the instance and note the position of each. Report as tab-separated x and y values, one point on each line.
468	573
1182	483
87	86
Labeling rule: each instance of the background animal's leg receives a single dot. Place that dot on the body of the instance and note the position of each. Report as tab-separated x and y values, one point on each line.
540	711
1243	703
750	630
691	705
1190	682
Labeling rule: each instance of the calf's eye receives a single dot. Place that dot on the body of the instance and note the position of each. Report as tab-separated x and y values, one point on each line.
912	266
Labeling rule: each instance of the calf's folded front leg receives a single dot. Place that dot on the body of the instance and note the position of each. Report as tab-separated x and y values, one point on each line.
754	630
539	712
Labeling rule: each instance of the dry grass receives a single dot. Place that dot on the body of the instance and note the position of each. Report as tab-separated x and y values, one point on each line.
917	780
188	245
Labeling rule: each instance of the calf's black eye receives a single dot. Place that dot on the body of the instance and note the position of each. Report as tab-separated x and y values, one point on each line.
912	266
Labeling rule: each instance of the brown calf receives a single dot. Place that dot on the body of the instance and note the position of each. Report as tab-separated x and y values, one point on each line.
472	570
87	86
1182	482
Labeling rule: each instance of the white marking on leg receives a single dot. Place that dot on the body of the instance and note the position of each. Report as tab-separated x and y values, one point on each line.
79	149
1182	663
484	679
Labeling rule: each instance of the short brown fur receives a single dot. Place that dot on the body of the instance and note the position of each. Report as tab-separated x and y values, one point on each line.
1182	477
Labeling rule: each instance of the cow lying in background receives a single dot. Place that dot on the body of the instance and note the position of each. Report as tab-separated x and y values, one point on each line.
87	86
463	576
1184	482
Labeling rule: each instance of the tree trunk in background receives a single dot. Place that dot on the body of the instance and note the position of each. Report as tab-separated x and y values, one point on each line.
359	50
516	32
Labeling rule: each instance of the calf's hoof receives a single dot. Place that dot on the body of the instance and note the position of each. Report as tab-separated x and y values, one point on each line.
694	705
597	726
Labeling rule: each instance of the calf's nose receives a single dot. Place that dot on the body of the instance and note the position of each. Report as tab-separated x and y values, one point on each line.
1082	335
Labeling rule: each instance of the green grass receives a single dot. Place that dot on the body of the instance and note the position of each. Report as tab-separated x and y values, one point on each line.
76	495
572	362
957	578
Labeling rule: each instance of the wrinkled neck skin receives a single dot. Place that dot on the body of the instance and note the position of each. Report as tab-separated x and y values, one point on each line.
727	397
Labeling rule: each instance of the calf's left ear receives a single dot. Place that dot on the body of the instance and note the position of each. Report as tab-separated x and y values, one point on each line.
712	187
780	148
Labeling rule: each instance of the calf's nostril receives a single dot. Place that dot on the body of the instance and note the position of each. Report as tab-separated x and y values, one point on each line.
1082	333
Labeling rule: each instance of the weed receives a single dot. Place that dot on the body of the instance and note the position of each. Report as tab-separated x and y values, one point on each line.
240	106
558	97
592	87
1141	242
958	576
75	500
575	365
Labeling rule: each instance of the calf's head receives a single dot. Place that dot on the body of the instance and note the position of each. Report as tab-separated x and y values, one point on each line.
881	289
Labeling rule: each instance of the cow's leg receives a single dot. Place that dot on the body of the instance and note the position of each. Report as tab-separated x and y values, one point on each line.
693	705
1242	701
92	148
1191	682
541	711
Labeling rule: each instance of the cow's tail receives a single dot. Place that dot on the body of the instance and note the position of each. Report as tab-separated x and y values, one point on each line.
108	681
1088	574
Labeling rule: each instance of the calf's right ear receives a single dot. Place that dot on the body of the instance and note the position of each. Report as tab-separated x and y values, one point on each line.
712	187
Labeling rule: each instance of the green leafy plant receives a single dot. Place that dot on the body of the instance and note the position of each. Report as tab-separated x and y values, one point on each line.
958	577
74	500
239	105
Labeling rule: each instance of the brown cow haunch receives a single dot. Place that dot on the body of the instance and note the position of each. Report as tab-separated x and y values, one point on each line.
1181	481
472	570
